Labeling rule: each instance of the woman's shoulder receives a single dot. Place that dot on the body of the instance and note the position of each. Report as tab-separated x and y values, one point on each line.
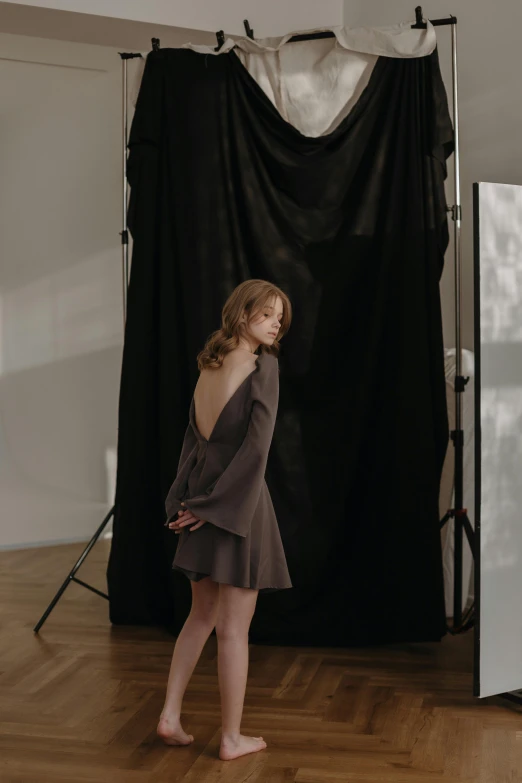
270	357
239	359
265	378
270	360
240	364
224	380
243	361
237	367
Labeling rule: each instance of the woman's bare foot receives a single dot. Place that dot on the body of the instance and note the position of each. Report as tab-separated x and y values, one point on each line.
171	732
232	748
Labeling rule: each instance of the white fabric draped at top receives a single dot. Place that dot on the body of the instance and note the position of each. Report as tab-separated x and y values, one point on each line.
314	84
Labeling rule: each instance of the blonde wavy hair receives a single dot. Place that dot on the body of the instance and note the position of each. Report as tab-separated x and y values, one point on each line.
250	297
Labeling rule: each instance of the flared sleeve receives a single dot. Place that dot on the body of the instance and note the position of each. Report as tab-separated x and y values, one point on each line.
187	461
232	500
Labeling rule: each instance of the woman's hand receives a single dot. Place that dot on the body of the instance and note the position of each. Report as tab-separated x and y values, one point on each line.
185	518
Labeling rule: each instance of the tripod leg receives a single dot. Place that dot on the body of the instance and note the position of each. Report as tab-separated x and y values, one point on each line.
458	438
70	576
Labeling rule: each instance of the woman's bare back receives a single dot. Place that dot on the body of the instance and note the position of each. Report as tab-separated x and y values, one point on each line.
215	387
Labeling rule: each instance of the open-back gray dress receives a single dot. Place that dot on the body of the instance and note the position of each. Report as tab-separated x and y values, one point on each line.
222	480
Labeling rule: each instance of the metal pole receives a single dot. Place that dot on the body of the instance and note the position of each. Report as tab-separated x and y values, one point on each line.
125	56
124	234
457	216
459	386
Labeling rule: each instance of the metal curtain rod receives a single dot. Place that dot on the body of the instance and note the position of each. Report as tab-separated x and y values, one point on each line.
420	23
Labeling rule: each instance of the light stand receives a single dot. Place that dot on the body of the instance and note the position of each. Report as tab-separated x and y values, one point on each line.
71	577
458	513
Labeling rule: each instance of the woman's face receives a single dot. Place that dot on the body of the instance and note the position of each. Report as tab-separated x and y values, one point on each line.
264	327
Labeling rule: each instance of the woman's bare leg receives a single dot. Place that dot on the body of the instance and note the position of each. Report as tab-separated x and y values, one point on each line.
188	647
236	608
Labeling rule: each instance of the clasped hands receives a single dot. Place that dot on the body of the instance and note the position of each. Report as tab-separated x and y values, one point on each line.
185	517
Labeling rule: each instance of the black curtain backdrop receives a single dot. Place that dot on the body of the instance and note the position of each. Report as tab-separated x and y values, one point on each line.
353	227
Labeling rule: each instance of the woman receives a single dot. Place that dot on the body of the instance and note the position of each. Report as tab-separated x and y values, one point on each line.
219	504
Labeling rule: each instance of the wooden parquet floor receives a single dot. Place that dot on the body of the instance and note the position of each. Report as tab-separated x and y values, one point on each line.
79	702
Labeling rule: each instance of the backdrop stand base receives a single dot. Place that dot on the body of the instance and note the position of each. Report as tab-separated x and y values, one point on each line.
71	576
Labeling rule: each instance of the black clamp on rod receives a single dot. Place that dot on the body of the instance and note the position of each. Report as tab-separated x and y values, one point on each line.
460	383
248	29
419	21
220	35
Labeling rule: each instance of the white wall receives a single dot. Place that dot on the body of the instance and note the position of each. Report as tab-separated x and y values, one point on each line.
490	110
61	320
272	17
